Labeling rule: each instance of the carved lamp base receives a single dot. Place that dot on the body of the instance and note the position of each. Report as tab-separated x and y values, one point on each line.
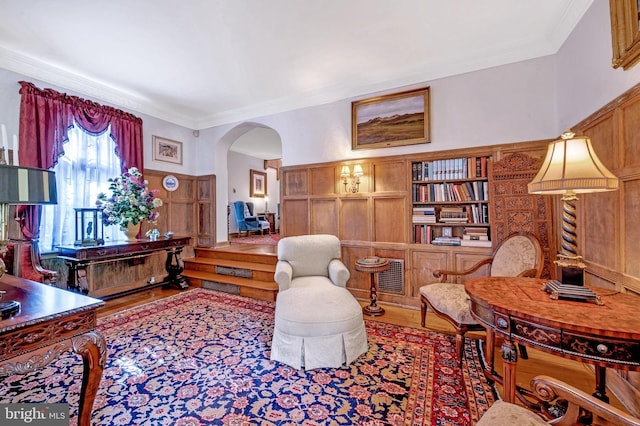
570	269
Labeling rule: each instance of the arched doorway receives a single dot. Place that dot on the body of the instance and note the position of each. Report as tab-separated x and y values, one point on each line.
249	152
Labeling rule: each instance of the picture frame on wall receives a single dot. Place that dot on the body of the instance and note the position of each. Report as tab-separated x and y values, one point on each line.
625	33
391	120
258	184
167	150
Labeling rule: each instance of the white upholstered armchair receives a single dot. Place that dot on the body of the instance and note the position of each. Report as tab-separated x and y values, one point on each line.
318	322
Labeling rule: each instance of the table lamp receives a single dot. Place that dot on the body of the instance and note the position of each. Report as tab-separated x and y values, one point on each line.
571	167
21	186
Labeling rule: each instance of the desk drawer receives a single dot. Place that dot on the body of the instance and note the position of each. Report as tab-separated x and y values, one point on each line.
609	350
536	334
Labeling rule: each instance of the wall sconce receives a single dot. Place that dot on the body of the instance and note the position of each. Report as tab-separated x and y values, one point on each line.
350	180
571	167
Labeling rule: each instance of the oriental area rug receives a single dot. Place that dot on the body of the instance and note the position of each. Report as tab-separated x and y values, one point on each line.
270	239
202	358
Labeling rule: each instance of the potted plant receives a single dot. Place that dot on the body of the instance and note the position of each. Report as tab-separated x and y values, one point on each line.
129	204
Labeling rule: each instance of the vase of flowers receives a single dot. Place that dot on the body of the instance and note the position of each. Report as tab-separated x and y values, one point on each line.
129	204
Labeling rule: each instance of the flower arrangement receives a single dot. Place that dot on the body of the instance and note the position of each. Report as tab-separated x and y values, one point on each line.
131	201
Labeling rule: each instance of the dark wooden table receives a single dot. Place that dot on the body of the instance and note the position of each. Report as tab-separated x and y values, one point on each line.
50	322
80	259
519	311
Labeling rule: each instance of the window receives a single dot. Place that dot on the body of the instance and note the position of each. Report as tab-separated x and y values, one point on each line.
89	161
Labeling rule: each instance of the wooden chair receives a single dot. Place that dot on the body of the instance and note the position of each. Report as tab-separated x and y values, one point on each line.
520	254
581	408
23	260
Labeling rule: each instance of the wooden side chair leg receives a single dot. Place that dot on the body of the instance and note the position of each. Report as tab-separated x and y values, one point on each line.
423	311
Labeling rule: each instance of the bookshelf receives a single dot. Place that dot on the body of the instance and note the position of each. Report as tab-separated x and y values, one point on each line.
450	202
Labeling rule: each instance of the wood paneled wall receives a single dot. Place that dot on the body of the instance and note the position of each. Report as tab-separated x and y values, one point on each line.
377	219
608	231
187	211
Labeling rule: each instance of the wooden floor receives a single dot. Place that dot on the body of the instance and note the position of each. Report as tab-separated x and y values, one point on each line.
572	372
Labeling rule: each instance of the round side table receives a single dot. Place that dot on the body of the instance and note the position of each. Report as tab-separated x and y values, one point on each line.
372	265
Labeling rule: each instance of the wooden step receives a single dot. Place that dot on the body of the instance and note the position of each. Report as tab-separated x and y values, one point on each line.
262	290
262	254
258	263
231	263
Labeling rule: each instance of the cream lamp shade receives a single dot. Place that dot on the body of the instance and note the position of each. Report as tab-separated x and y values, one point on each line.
571	165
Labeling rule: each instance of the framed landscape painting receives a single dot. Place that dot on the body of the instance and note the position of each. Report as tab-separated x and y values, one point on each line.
167	150
391	120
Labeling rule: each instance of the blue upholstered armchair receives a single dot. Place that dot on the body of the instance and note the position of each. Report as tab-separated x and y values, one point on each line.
247	221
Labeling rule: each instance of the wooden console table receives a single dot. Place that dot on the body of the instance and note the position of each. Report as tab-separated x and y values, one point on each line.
80	259
50	322
519	311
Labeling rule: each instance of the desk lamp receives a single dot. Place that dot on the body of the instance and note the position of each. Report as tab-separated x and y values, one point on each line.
20	186
571	167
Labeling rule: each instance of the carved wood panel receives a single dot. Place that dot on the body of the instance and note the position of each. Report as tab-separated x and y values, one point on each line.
514	209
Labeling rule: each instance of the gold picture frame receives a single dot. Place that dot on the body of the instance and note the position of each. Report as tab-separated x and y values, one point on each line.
167	150
258	184
625	33
391	120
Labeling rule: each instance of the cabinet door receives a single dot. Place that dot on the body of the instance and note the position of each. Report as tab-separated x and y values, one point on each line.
423	263
465	261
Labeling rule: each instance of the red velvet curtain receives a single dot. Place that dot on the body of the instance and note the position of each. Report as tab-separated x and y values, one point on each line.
45	117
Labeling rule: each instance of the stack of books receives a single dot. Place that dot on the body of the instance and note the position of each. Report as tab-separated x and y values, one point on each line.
453	215
424	215
446	241
476	237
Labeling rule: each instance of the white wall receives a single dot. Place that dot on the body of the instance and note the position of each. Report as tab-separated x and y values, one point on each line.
529	100
586	79
10	115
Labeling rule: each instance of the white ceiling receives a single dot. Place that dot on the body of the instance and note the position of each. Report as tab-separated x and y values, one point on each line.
200	63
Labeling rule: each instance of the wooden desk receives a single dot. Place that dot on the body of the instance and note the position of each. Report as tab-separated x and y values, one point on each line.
50	322
519	311
80	259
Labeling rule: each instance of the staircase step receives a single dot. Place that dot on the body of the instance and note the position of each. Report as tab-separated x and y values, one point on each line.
247	271
265	254
231	263
263	290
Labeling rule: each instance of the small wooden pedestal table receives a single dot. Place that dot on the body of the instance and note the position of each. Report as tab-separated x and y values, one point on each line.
372	265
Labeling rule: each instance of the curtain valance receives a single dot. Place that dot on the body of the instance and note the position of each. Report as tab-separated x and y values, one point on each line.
46	115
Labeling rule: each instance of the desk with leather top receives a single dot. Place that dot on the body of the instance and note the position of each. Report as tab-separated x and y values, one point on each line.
519	311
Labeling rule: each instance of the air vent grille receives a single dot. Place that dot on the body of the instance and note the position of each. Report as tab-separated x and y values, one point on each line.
392	280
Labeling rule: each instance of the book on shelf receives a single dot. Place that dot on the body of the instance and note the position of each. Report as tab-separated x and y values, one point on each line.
451	168
453	215
446	241
422	234
475	243
476	231
475	237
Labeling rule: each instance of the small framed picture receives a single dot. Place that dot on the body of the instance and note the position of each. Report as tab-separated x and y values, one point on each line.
447	231
167	150
258	184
